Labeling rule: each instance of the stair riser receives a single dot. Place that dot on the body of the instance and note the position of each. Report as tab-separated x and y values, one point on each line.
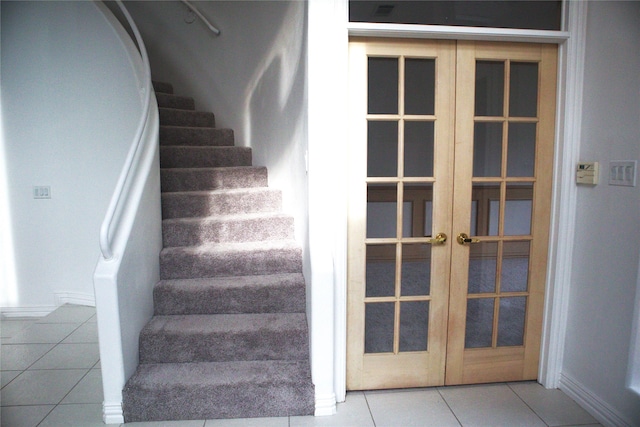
163	87
290	344
204	157
187	265
245	400
176	205
179	135
175	117
166	100
173	180
179	300
197	232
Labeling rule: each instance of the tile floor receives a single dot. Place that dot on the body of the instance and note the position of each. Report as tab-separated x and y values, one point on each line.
51	377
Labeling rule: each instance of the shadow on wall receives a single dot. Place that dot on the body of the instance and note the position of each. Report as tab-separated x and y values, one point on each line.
274	95
275	122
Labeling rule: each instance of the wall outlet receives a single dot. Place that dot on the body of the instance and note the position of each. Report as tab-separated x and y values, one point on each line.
41	192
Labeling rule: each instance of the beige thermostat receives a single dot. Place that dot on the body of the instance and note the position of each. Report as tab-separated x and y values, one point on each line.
587	173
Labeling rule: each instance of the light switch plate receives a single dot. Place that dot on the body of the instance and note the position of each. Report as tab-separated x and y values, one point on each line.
623	172
41	192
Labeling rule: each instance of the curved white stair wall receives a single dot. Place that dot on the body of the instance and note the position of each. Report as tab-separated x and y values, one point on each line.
126	273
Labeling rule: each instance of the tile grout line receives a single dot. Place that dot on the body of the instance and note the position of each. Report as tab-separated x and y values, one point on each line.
54	344
74	386
526	404
45	417
54	406
369	408
78	382
448	406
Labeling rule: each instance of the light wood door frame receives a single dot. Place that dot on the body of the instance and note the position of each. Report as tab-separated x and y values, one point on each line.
461	366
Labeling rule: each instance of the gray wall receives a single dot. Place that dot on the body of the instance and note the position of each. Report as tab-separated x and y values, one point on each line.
607	242
70	107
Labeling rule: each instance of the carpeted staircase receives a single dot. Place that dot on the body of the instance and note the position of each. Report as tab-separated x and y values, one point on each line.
229	336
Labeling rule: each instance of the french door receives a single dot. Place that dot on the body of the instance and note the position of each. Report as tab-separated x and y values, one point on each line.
450	157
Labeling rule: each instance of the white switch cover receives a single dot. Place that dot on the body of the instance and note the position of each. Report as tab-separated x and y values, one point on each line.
587	173
41	192
623	173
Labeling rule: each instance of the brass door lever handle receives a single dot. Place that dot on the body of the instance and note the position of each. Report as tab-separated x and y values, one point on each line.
464	239
438	240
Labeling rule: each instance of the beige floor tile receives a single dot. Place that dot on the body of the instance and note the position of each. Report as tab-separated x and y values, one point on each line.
43	333
8	376
40	387
24	416
494	405
9	327
17	357
553	406
86	333
88	390
421	407
69	356
85	415
250	422
69	314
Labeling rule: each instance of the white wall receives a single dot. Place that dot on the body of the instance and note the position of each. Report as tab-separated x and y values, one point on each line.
70	107
607	242
252	77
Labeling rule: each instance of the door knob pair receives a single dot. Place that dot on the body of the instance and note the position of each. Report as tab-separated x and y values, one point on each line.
463	239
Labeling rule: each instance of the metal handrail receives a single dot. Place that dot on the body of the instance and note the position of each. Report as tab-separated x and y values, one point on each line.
202	17
105	241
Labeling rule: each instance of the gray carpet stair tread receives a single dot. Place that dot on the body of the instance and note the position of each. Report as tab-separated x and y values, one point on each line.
273	293
224	337
193	204
213	260
162	87
243	247
214	219
177	156
153	376
196	135
205	324
212	178
227	228
169	100
181	117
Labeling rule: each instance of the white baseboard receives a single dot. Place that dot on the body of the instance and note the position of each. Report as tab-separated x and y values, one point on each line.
112	413
61	298
598	408
325	405
29	311
74	298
